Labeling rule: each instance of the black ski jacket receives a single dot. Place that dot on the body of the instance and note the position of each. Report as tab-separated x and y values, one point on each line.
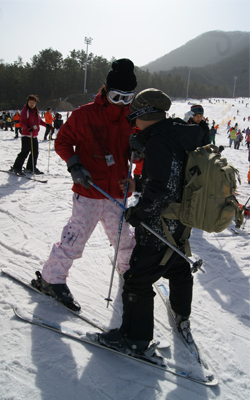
206	133
165	144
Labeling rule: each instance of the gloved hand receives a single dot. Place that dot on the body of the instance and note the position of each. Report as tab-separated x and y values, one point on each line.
49	126
30	129
78	172
136	146
188	115
131	217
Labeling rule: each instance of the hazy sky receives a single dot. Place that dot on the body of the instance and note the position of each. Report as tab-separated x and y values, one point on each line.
142	30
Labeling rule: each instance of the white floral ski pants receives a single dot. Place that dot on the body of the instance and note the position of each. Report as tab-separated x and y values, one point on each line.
85	216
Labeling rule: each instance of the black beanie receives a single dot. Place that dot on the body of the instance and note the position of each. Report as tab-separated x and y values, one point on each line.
122	76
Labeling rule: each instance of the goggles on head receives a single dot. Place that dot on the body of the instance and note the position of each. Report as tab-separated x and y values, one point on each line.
117	96
142	111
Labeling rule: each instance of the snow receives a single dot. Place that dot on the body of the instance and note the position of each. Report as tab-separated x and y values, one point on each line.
40	364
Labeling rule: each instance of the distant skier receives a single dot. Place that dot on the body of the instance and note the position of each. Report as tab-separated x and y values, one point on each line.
29	121
195	116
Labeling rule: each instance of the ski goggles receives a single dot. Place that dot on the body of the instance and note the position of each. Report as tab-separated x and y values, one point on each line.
120	97
142	111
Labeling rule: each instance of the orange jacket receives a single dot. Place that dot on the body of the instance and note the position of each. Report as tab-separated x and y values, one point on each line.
17	118
48	118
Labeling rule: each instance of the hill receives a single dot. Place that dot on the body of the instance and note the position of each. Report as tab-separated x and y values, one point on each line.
221	73
208	48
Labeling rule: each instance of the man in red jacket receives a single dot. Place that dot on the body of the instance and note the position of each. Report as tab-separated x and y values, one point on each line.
94	142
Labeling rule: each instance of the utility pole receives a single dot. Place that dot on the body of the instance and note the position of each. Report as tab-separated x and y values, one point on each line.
87	41
235	79
188	82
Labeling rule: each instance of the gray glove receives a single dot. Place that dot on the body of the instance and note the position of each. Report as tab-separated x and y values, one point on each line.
78	172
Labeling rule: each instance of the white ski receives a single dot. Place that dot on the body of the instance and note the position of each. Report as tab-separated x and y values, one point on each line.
21	279
155	360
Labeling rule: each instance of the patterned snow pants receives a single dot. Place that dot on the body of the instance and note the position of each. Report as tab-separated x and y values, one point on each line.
85	216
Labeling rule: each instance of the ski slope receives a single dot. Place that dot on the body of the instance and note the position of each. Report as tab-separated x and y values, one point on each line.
38	364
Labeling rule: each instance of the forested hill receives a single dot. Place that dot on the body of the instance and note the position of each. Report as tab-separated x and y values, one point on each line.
208	48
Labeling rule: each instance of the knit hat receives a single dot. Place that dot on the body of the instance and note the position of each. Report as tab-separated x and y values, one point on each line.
32	97
122	76
197	109
149	105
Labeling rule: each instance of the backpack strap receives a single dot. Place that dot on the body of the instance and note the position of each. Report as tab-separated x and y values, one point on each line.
184	242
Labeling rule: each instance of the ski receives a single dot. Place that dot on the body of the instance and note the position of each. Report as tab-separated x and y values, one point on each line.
21	279
24	176
152	360
240	232
192	347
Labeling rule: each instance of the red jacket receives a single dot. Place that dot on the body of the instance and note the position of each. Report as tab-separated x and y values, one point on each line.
29	119
97	129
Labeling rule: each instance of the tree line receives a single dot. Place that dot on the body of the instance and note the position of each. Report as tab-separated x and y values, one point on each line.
53	77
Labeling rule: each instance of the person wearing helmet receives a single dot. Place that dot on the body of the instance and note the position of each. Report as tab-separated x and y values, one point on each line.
163	142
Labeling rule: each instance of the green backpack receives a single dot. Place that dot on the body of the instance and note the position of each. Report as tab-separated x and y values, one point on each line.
207	201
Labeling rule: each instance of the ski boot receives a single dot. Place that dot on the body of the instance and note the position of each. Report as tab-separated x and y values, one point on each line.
116	340
59	291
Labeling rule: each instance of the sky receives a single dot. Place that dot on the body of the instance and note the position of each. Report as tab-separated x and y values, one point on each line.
142	30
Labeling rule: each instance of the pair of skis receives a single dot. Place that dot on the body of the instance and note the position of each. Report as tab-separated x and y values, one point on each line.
24	176
150	358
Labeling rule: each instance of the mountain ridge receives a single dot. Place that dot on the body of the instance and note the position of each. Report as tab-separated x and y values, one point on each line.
208	48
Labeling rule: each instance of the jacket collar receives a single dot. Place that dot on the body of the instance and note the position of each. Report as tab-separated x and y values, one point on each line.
113	112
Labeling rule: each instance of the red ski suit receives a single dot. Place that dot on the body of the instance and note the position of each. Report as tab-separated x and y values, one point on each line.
29	119
93	131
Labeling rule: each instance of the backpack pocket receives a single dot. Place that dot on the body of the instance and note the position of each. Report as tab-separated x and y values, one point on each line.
225	218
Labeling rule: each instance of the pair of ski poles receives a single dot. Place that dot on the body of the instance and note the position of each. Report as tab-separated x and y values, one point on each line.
195	265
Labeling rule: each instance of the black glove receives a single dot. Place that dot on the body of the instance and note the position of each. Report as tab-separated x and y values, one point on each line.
78	172
48	126
136	146
134	215
30	129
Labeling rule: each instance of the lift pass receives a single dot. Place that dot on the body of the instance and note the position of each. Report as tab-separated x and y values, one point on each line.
109	160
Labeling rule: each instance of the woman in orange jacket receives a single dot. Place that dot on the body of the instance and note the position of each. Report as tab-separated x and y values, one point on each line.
18	128
49	121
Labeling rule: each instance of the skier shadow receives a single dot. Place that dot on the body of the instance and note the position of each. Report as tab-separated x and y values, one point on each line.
222	287
60	374
14	182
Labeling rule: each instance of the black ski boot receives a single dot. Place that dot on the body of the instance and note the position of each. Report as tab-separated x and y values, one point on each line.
17	171
116	340
59	291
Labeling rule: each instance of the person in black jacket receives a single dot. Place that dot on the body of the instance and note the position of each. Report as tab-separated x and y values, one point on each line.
58	122
164	143
195	116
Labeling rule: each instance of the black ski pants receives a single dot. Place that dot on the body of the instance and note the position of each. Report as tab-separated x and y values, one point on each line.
138	294
47	132
25	151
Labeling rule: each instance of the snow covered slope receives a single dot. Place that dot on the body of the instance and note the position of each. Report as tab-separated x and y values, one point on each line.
39	364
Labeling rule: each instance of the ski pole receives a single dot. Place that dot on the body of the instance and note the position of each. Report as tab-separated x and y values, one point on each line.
32	155
119	232
49	152
243	208
196	265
